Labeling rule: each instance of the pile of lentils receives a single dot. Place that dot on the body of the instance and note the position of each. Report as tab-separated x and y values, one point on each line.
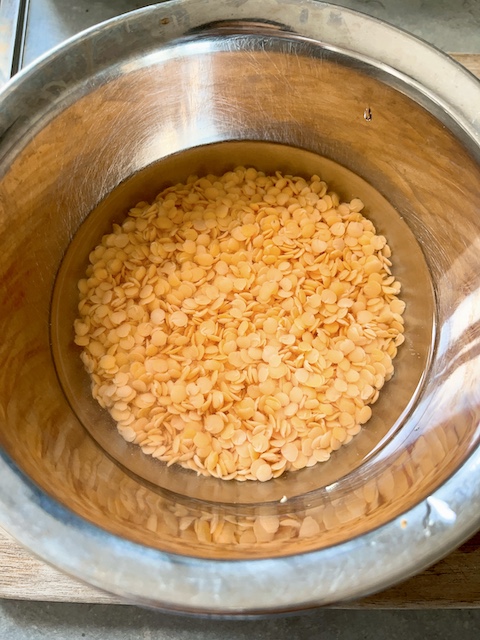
240	326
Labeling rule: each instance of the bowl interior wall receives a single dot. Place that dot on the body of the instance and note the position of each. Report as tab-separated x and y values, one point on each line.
170	103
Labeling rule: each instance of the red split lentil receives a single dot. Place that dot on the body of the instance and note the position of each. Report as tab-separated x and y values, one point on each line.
240	326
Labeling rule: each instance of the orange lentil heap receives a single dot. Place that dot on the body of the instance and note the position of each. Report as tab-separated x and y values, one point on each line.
240	325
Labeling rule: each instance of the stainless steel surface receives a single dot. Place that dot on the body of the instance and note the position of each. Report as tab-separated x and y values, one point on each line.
12	36
30	28
136	90
50	22
451	25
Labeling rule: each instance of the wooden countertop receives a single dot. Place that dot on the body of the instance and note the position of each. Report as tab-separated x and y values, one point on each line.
453	582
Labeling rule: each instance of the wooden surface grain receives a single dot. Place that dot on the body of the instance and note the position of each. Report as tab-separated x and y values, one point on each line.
453	582
469	60
24	577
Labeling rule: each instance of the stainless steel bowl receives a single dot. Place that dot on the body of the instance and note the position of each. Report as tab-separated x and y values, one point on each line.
202	85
